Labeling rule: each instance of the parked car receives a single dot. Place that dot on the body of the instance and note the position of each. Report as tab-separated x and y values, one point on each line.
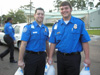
18	32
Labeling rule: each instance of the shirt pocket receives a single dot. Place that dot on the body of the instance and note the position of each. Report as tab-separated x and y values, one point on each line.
75	34
35	35
45	35
58	36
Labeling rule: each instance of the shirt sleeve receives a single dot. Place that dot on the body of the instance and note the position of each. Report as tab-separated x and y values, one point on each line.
11	32
26	34
52	36
47	38
84	34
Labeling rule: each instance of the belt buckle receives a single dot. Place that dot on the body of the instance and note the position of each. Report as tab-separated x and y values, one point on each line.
38	52
64	53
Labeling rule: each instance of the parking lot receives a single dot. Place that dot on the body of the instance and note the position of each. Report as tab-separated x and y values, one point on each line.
7	68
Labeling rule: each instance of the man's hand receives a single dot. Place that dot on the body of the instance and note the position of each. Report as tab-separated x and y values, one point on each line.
87	61
50	61
21	64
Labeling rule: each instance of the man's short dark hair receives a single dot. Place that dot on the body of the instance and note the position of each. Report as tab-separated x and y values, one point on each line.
66	3
39	9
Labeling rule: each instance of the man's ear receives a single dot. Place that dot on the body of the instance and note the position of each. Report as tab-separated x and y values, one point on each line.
71	10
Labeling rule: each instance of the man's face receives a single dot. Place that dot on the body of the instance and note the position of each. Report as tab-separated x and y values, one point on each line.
39	16
65	11
11	21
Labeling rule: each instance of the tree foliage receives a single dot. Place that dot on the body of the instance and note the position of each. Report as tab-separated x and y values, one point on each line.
27	7
18	16
79	4
98	4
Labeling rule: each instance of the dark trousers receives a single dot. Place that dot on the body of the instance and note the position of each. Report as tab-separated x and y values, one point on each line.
68	64
10	49
34	64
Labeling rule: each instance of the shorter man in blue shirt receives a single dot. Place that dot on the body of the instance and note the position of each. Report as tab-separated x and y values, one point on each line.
70	37
34	43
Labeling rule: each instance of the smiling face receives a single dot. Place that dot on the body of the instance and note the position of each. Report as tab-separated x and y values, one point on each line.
65	11
39	16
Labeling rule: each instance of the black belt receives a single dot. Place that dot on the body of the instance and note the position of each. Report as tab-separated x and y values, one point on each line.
74	53
31	52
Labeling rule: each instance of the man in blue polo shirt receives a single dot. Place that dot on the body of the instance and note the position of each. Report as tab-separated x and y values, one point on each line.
70	37
34	43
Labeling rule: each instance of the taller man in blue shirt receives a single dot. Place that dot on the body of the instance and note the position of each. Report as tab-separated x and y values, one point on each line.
34	43
70	37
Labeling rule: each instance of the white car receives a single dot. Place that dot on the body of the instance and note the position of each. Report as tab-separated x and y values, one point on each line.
18	32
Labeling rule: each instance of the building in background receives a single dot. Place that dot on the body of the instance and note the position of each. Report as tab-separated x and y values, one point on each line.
90	17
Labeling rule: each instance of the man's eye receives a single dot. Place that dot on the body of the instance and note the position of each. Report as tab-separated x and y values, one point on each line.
66	8
61	9
38	14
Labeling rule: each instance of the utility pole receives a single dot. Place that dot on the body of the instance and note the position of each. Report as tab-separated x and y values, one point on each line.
30	11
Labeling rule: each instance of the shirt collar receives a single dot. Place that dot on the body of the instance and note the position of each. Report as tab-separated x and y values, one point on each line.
36	24
9	23
71	20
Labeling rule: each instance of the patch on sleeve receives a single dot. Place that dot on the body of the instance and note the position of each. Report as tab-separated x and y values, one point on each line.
10	27
25	29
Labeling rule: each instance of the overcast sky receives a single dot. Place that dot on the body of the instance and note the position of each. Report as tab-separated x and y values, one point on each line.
6	5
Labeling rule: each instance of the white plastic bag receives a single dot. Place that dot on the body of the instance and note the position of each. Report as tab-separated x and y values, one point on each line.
19	72
46	68
49	70
85	70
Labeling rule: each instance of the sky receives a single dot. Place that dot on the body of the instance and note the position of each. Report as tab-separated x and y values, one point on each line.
6	5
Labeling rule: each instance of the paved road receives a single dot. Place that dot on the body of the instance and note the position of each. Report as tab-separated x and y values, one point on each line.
7	68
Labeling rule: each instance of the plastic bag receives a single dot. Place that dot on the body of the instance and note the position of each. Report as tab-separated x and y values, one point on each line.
19	72
46	68
85	70
49	70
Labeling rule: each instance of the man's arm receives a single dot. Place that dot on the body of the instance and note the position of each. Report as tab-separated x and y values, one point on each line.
51	51
86	52
21	54
47	48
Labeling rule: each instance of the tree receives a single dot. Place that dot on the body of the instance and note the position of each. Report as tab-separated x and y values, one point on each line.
79	4
18	16
98	4
50	11
27	7
3	19
57	4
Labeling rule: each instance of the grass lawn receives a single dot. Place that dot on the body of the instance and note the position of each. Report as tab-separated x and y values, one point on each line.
94	32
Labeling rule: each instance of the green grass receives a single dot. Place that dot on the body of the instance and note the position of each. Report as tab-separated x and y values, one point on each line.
94	32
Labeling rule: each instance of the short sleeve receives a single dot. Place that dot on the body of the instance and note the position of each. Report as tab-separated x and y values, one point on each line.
26	33
84	34
52	36
47	38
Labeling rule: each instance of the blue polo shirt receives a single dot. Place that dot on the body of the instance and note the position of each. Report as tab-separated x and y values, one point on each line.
35	36
9	30
69	37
